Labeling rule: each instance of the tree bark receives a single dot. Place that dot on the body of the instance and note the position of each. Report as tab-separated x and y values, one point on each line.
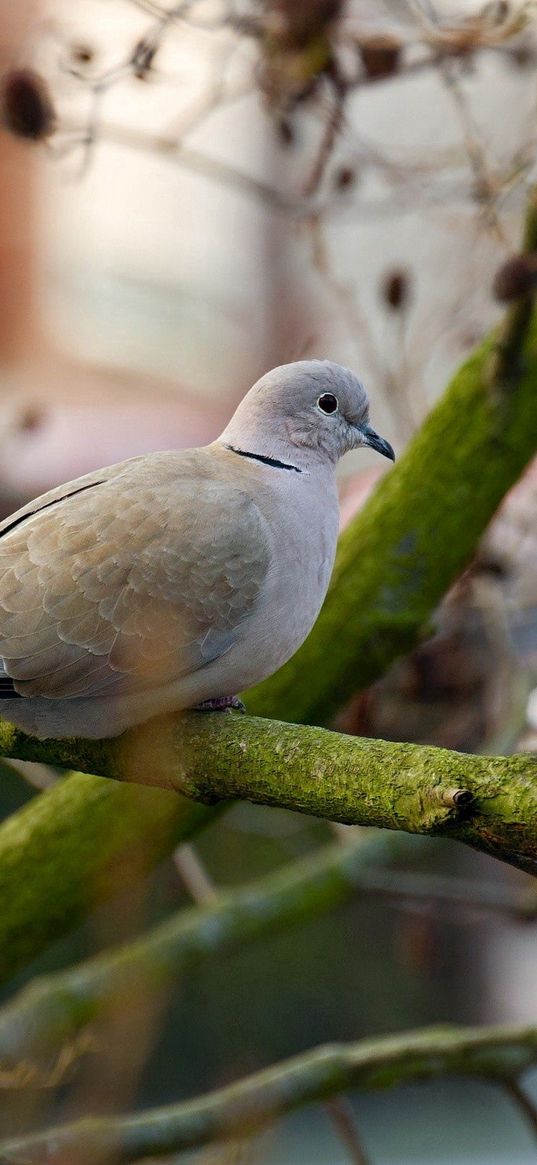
488	802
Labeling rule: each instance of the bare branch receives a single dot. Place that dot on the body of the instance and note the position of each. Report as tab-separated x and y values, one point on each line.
523	1103
50	1022
498	1054
342	1119
194	874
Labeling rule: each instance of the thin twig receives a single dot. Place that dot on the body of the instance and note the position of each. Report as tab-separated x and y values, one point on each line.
347	302
485	188
526	1106
506	363
329	135
194	161
194	874
342	1118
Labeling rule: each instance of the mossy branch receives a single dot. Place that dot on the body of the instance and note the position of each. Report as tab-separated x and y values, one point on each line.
51	1022
73	847
44	1027
498	1054
487	802
396	560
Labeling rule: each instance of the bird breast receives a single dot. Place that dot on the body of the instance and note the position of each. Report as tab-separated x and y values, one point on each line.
306	521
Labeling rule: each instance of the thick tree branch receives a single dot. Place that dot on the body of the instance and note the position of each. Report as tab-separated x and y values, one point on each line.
487	802
395	562
51	1022
497	1054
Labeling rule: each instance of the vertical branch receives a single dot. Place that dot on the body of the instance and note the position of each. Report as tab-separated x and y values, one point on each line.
525	1106
506	364
194	875
341	1116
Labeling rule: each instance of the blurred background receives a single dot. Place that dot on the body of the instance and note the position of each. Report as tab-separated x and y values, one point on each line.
188	197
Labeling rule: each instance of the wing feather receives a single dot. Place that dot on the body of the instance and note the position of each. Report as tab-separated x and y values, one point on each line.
131	579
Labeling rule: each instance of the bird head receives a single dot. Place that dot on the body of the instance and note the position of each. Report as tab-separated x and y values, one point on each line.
315	408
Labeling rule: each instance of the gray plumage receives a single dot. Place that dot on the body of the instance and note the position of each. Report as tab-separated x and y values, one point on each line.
178	577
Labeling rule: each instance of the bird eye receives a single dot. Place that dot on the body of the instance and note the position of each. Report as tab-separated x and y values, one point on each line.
327	403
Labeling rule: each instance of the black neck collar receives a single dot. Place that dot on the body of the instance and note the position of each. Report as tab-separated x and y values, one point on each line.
272	461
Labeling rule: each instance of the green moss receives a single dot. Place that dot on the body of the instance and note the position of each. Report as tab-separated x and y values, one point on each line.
489	802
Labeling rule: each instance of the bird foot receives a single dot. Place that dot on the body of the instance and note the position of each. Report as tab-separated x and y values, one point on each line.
220	704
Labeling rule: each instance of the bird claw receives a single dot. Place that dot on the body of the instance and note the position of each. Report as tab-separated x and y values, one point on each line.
221	704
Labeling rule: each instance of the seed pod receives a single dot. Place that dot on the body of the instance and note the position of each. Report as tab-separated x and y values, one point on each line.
395	290
299	23
32	417
285	131
143	57
515	278
380	56
496	12
344	177
25	105
522	56
81	54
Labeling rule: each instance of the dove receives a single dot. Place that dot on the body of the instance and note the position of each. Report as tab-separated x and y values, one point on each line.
175	580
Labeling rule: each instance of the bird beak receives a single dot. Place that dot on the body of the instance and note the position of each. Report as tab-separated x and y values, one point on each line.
375	442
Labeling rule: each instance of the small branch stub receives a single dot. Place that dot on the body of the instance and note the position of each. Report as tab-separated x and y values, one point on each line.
459	799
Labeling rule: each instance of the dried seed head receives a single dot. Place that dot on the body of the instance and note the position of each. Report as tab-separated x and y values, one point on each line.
25	104
143	57
32	417
81	54
522	56
395	290
380	56
496	12
298	23
285	131
344	177
517	277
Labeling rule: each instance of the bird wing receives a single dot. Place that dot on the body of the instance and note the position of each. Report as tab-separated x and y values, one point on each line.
128	579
